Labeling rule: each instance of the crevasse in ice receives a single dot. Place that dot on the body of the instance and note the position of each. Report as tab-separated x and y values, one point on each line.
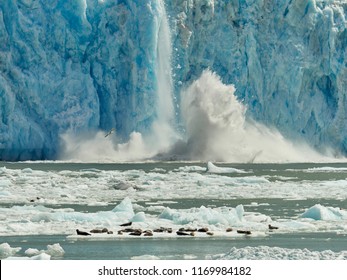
81	66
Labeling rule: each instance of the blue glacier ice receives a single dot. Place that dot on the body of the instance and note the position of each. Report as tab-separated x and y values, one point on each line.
83	66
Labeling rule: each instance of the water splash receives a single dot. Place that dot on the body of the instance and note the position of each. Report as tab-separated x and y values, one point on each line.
217	128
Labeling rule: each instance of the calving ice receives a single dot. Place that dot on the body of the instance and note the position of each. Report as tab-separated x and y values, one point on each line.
199	80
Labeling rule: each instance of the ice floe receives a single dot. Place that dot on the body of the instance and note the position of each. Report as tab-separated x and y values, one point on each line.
14	253
216	169
276	253
6	250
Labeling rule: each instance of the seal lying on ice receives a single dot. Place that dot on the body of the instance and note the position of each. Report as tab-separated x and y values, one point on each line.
79	232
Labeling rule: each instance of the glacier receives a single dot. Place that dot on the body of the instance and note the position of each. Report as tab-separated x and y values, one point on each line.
84	66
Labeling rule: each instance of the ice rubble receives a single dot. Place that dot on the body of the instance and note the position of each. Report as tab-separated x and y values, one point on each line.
44	220
10	253
276	253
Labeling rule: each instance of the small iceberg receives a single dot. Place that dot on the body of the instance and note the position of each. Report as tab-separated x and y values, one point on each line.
7	251
211	168
322	213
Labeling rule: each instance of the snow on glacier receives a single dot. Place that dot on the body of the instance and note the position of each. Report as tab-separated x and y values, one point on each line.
81	66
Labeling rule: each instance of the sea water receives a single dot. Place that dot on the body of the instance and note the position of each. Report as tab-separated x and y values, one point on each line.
43	203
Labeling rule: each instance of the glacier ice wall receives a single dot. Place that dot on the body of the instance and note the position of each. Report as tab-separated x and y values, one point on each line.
86	65
287	60
77	66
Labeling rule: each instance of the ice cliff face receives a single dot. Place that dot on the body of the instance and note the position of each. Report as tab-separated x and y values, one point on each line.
286	58
74	65
88	65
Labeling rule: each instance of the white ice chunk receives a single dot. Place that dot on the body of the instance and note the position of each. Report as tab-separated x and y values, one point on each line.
139	217
42	256
204	215
6	250
124	206
320	212
215	169
276	253
55	250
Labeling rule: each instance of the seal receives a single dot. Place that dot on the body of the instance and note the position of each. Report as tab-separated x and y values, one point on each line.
162	229
136	232
272	227
247	232
104	230
188	229
79	232
126	224
96	231
147	233
129	230
182	233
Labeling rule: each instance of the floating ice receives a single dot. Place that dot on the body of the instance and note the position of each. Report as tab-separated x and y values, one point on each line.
125	206
42	256
73	199
215	169
6	250
191	169
5	183
32	252
145	257
139	217
205	216
320	212
276	253
54	250
326	169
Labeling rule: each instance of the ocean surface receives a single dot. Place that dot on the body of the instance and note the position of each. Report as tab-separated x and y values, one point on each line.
43	203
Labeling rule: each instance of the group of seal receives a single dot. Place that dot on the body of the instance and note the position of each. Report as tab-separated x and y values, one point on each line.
135	232
104	230
180	232
192	231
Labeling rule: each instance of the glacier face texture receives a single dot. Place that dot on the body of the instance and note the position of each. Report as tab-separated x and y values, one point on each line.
87	65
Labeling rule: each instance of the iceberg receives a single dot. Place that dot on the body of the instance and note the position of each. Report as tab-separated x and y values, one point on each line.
73	69
211	168
6	250
319	212
54	250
